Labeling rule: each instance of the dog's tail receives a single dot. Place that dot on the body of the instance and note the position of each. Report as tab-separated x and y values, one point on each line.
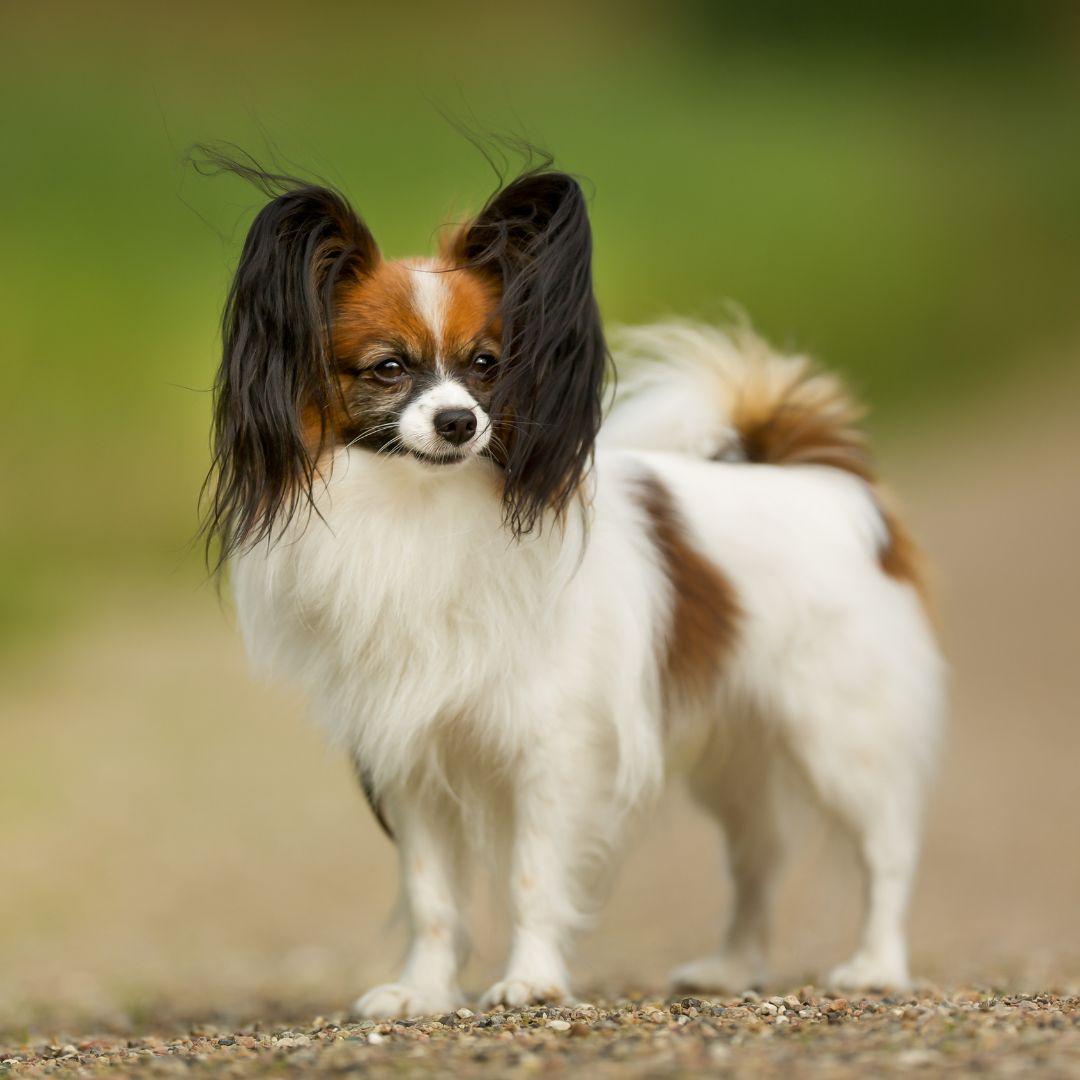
726	395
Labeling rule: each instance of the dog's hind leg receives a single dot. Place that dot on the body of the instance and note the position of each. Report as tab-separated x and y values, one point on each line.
741	798
872	787
883	821
887	848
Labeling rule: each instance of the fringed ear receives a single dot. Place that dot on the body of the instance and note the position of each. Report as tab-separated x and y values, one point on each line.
534	238
276	386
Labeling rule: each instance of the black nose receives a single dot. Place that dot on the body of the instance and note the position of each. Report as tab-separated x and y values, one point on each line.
456	426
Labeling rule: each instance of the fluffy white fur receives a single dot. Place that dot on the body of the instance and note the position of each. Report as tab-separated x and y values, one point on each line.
506	696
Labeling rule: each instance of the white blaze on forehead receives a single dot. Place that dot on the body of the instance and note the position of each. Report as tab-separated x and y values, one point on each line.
448	394
430	298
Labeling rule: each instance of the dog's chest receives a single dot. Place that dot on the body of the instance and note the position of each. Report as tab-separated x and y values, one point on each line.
423	605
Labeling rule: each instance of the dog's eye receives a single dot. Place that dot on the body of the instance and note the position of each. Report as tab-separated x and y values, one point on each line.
389	371
483	365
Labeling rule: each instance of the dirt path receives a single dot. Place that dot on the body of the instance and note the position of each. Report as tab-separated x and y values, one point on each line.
177	843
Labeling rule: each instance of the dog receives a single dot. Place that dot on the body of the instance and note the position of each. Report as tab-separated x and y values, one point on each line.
518	620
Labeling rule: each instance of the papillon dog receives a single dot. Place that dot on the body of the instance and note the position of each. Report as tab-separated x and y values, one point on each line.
519	621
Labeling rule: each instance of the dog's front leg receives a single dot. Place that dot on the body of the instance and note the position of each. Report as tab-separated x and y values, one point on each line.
431	855
544	867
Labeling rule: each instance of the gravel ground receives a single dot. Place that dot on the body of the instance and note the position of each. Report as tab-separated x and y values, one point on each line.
807	1032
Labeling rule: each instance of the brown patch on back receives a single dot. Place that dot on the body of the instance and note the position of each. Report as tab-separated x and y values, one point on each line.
705	612
901	558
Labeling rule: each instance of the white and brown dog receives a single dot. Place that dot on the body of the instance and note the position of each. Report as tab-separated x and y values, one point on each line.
514	620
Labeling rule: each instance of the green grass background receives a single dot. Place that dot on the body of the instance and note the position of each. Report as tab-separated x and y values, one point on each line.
894	187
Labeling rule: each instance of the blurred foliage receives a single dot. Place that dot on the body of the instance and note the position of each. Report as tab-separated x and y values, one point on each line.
891	186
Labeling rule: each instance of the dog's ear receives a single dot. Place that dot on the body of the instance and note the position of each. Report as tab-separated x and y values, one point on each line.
534	238
276	388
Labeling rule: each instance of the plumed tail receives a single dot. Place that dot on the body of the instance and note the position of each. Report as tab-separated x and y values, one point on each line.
720	395
726	395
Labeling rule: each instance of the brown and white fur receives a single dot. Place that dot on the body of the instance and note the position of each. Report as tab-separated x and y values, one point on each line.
516	625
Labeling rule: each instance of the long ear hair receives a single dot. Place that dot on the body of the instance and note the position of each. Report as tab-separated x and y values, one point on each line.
533	236
277	366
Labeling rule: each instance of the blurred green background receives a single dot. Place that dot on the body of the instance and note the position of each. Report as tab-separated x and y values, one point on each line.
894	187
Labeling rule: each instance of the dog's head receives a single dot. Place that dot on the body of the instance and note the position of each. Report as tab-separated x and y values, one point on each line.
493	348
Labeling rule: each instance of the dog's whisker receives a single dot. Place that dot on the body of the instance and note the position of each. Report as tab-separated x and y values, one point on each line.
376	430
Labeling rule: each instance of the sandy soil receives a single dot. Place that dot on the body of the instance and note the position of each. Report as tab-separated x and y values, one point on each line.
176	840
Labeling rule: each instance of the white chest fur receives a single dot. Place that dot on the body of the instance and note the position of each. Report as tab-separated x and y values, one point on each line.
408	607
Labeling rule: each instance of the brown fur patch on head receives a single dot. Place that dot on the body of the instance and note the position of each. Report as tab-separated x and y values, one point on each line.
378	309
705	612
472	316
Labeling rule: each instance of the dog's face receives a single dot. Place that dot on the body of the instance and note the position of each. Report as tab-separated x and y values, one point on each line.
493	348
417	347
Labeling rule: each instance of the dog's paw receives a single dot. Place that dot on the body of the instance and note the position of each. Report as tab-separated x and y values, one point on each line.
718	973
393	1001
514	993
869	973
